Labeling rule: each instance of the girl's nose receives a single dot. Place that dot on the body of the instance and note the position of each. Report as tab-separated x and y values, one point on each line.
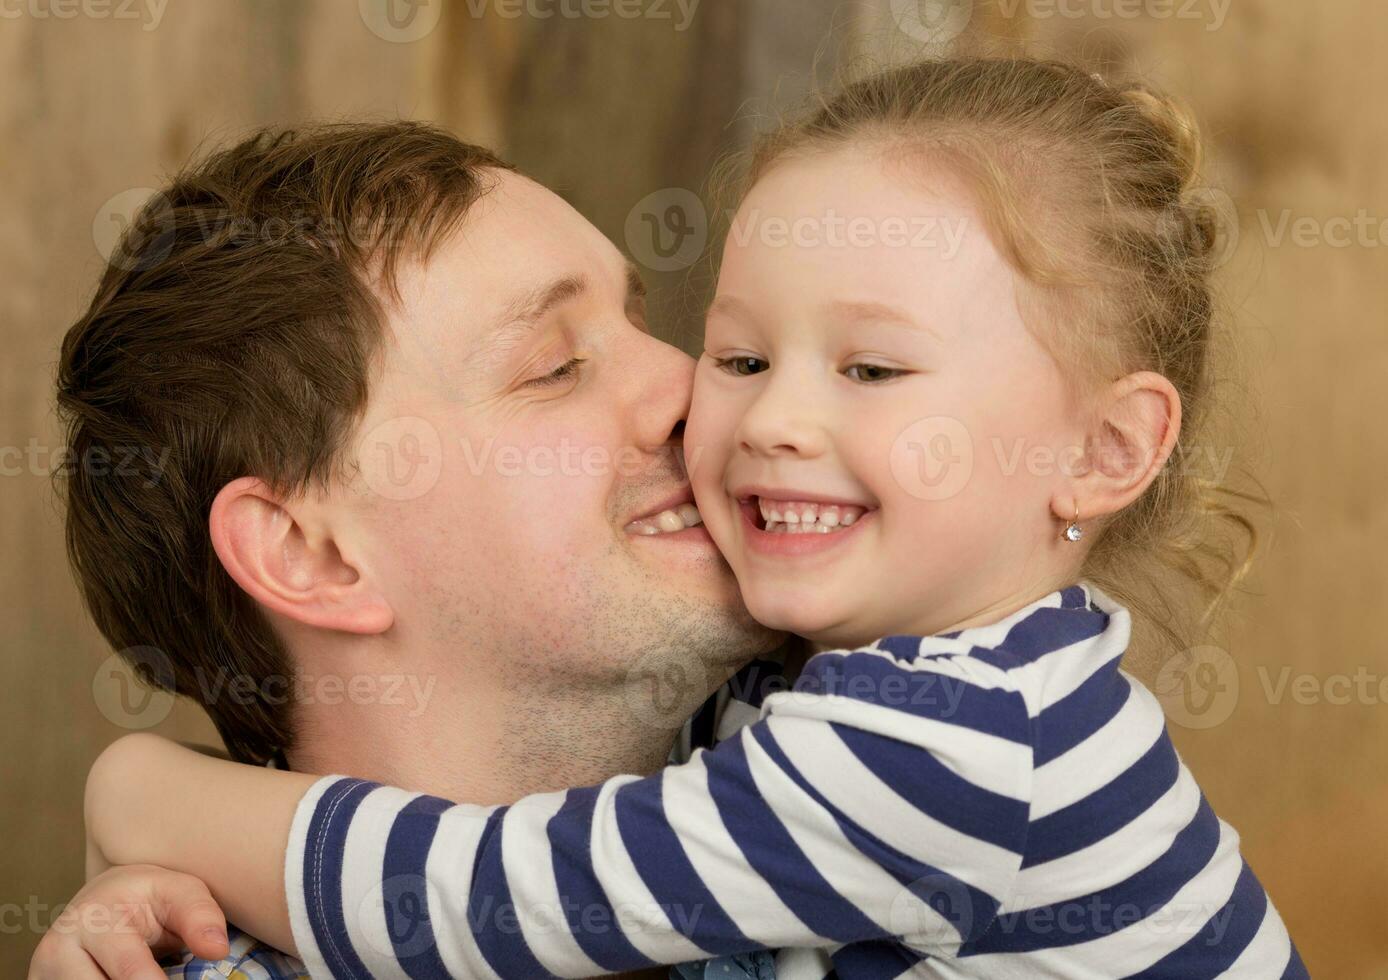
783	421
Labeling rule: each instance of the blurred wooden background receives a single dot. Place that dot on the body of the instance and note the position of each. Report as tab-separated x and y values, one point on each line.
607	111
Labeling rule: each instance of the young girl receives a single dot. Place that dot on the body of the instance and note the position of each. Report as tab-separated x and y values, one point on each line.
962	313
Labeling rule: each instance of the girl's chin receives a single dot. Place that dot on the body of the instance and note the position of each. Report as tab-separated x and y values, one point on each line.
782	612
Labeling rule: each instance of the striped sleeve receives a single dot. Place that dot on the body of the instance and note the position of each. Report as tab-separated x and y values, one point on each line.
882	797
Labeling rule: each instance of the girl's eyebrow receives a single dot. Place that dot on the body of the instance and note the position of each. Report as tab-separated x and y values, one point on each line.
880	314
839	311
730	306
859	311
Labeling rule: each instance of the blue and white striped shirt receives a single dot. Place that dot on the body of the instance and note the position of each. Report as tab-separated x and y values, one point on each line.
1002	801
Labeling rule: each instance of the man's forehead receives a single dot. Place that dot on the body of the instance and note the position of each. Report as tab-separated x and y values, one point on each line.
519	251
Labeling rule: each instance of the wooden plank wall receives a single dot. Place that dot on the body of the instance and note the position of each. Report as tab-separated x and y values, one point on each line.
609	111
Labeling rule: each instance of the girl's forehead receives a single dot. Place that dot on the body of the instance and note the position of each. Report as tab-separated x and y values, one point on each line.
834	222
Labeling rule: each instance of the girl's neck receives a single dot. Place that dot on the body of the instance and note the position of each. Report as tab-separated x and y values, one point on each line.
934	621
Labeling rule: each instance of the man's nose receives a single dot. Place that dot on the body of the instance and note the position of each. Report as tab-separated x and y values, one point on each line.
662	397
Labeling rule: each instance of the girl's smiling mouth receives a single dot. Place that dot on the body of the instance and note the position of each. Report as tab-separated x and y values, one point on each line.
792	523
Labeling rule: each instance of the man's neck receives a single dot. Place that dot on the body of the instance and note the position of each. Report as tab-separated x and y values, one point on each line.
493	742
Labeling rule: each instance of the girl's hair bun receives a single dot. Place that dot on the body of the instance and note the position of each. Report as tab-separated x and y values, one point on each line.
1180	136
1177	127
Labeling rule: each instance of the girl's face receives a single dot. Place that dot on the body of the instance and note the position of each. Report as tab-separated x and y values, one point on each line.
877	441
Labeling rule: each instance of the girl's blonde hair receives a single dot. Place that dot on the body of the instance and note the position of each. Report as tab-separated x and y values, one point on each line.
1091	191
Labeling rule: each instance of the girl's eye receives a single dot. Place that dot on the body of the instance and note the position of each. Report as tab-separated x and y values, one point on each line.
872	373
568	369
742	366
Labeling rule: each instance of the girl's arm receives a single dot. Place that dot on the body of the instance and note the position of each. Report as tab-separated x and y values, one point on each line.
881	798
214	819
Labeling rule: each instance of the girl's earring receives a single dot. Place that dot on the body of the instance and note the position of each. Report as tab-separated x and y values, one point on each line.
1073	531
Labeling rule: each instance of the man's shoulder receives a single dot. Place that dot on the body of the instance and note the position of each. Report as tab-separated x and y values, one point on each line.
249	959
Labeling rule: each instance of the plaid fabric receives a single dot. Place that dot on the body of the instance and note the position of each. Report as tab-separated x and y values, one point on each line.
250	959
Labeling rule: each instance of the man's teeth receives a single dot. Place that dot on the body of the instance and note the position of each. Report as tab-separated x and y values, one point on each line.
797	517
667	521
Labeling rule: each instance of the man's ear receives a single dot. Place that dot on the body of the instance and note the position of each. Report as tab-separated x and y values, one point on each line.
1133	433
284	554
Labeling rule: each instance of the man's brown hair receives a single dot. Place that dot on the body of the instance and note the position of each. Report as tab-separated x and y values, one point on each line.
233	334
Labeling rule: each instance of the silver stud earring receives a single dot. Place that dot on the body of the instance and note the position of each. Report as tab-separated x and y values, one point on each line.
1073	531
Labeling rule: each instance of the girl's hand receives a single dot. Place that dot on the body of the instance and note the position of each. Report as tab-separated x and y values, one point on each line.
122	919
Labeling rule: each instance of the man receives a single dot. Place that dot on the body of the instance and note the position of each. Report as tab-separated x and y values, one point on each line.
421	446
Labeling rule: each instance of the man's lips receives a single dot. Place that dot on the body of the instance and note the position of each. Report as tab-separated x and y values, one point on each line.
670	501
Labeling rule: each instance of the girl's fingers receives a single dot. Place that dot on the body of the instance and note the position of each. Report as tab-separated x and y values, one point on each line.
187	910
115	927
124	956
65	961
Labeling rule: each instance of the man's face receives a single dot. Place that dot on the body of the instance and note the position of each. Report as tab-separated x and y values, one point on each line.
523	419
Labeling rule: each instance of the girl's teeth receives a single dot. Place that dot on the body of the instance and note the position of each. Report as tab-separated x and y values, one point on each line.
798	528
785	517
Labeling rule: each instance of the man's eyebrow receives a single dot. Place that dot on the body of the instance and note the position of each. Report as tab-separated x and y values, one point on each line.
521	316
529	308
636	286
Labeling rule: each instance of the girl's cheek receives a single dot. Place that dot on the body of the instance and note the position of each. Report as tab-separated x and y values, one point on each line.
713	420
706	458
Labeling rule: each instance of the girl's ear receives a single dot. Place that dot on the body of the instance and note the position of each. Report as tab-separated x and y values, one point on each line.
1136	425
286	555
